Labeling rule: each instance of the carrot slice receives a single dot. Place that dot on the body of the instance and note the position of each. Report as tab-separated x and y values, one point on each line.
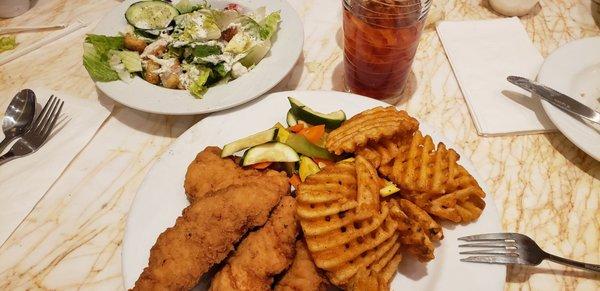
295	180
297	128
313	133
261	166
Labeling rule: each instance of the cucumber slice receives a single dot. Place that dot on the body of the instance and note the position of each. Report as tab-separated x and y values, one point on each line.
250	141
331	120
307	167
150	14
301	145
269	152
290	118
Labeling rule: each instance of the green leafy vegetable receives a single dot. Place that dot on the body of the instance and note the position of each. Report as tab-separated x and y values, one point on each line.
7	43
96	57
103	43
187	6
225	17
256	53
131	60
197	88
239	43
268	25
115	63
97	67
221	70
202	50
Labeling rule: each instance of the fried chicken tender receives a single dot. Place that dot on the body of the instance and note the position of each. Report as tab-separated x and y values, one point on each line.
263	254
209	172
206	232
303	275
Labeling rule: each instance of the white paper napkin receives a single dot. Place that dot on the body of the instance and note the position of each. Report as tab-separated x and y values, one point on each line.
24	181
482	54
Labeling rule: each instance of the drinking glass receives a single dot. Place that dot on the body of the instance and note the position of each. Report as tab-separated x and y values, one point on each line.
380	41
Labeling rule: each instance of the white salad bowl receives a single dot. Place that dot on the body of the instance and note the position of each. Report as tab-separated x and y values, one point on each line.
141	95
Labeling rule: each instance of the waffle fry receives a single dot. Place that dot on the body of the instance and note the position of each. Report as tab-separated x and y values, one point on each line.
430	227
420	167
370	125
331	191
364	252
413	237
367	280
356	236
463	203
382	152
344	239
369	184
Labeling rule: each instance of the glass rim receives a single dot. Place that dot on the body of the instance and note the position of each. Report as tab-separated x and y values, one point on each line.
422	7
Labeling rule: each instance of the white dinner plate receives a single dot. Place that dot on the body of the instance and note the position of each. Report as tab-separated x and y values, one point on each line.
161	196
141	95
574	70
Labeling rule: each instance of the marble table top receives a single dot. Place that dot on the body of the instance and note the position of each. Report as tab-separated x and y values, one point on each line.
542	184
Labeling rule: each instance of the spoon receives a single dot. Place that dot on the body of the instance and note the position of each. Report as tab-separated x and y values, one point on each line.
19	116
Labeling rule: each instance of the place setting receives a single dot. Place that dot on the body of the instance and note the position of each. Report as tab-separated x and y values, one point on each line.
306	189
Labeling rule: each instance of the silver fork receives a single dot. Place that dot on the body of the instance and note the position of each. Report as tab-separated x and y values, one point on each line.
513	248
35	137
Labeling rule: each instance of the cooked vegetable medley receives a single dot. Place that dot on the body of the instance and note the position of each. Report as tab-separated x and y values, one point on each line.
297	149
188	45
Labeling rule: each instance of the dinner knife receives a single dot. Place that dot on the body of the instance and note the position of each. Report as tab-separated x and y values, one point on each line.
560	100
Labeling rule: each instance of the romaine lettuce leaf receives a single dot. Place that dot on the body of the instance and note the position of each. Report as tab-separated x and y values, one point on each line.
225	17
131	60
197	88
97	67
115	63
268	25
103	43
221	69
187	6
199	25
203	50
239	43
256	53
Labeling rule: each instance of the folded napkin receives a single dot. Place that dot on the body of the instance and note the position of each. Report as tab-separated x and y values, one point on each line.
24	181
482	54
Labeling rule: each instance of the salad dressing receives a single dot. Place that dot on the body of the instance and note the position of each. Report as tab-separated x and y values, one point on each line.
192	47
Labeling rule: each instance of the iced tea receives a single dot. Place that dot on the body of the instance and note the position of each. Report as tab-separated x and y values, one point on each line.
380	41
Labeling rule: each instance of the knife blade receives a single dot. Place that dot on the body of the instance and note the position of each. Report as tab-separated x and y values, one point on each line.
560	100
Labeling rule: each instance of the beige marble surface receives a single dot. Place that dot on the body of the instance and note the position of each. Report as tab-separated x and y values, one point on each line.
542	184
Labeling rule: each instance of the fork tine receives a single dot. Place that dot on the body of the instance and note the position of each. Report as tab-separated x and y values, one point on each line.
52	121
498	244
37	121
487	236
492	260
47	115
491	252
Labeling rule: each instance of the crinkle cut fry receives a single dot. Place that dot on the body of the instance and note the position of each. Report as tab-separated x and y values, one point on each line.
370	125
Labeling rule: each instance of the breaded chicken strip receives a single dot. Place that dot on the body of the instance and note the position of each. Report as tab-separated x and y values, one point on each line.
206	232
209	172
263	254
303	275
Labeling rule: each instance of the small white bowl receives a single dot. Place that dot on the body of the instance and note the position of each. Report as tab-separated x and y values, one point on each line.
513	7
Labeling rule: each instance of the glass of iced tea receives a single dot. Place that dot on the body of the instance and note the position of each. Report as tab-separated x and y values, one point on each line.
380	41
